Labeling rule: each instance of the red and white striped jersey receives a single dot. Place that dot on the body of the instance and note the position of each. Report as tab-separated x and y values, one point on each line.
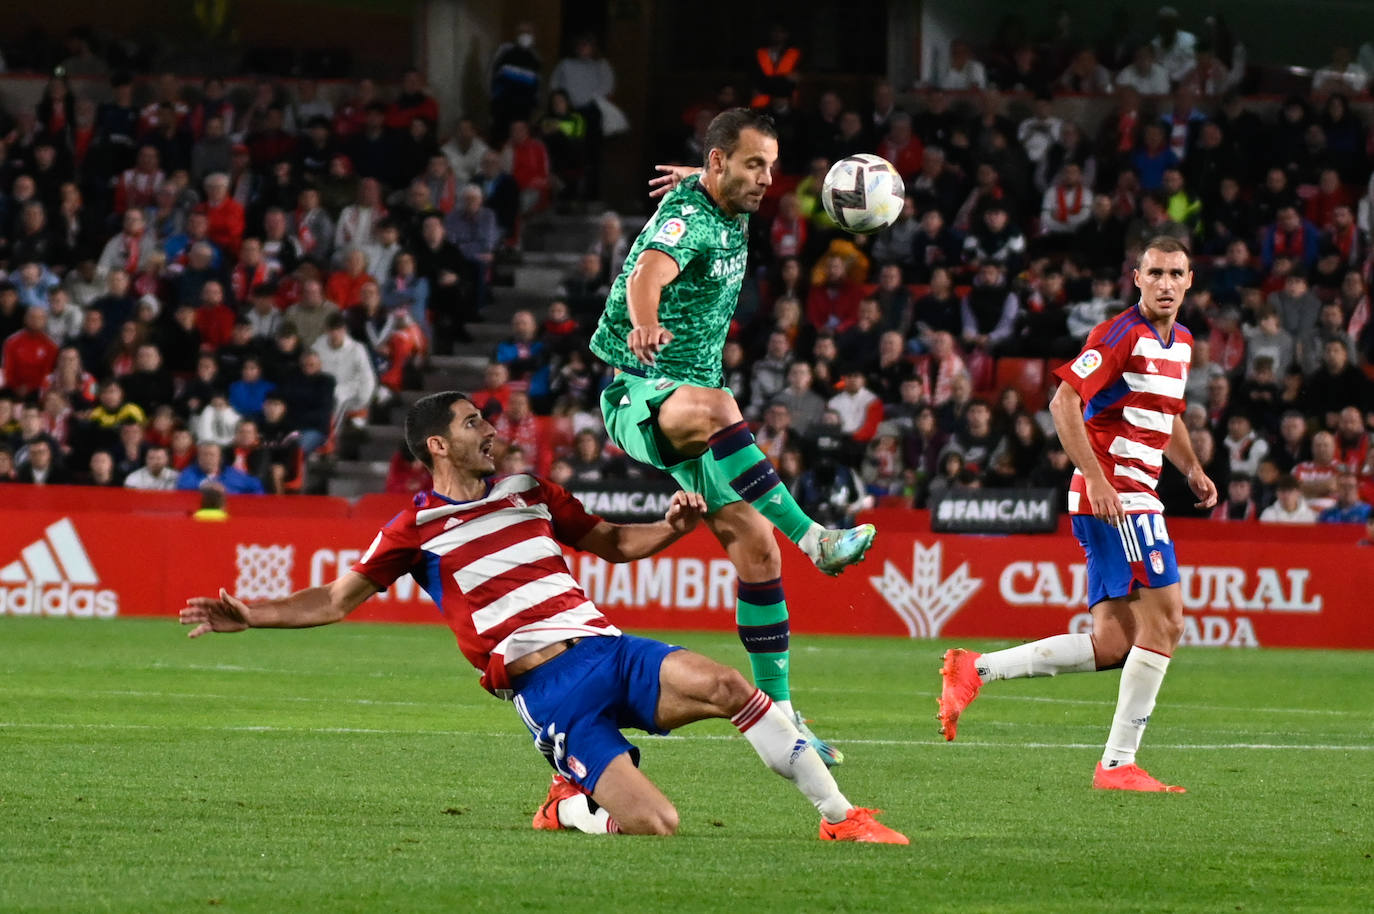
495	569
1132	384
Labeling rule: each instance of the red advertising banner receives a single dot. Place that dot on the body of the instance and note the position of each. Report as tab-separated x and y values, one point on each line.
1244	585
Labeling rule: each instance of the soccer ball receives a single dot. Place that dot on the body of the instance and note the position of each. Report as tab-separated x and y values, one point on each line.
863	193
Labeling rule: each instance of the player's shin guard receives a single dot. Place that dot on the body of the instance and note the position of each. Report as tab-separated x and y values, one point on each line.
761	616
1046	657
783	749
741	463
1141	677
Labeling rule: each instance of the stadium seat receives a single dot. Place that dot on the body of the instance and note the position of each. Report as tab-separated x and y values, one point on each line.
1026	376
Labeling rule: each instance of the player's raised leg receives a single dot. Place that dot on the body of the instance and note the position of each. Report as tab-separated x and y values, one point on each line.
761	609
707	421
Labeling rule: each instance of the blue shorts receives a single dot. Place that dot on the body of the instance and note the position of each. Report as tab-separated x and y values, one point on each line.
576	704
1139	553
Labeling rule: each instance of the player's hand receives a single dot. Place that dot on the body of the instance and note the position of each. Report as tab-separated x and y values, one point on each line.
1106	504
672	176
645	342
1203	488
207	614
685	511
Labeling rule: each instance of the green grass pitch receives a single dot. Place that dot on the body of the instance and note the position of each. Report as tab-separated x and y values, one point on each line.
361	768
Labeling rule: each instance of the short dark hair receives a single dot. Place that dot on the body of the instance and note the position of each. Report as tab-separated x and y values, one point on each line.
1165	244
724	129
429	416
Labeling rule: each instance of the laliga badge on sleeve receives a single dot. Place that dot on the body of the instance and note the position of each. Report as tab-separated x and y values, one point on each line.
1087	363
670	232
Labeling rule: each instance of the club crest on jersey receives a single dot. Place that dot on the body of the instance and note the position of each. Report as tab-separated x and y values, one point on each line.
671	232
1156	561
1087	363
517	501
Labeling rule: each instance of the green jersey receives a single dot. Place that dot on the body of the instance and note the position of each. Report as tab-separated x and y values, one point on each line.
710	249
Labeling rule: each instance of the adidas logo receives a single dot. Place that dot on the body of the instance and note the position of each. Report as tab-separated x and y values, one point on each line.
452	522
1151	367
53	576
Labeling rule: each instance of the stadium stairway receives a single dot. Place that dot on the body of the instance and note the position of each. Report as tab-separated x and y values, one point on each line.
552	245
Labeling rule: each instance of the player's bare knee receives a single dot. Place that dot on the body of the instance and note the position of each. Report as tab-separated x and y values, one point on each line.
659	819
730	690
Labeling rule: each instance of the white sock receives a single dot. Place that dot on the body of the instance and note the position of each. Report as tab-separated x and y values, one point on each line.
576	812
1140	680
786	708
782	747
1046	657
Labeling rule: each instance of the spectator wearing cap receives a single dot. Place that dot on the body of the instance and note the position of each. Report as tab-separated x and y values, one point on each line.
347	361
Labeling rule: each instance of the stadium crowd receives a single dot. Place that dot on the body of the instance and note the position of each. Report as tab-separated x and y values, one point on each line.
200	287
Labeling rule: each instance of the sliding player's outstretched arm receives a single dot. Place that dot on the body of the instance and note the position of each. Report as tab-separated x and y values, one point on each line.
306	608
628	542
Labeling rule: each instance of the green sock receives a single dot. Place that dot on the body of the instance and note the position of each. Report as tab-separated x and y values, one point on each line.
761	616
739	460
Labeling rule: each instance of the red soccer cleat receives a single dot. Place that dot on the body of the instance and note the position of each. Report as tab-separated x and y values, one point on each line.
961	685
546	818
1130	777
861	826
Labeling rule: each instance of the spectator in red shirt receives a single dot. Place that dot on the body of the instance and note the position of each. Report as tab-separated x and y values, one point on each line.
411	103
214	319
345	286
272	143
527	160
29	355
1330	194
136	188
495	393
517	427
834	304
406	475
225	214
901	147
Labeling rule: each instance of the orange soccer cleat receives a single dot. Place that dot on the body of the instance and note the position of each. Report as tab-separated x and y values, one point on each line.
546	818
1130	777
961	685
860	825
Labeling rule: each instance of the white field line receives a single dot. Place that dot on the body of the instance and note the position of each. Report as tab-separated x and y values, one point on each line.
984	697
260	728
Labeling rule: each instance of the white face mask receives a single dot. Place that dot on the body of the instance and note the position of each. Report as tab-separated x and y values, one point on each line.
525	40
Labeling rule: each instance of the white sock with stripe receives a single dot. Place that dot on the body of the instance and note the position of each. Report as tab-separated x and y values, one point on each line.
1141	678
1046	657
576	813
783	749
